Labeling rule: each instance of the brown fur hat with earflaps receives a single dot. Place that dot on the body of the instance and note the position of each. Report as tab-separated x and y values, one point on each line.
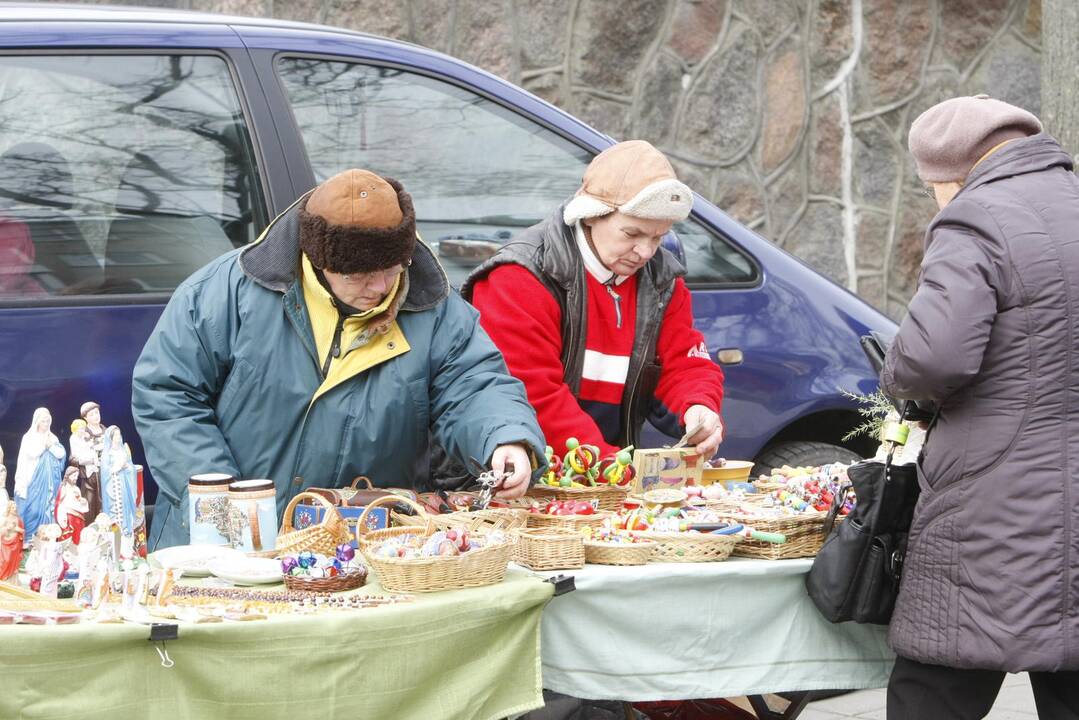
358	222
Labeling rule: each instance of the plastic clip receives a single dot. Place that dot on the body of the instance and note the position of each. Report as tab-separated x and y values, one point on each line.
562	584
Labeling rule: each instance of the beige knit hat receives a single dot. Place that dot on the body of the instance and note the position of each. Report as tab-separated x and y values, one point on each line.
634	178
948	139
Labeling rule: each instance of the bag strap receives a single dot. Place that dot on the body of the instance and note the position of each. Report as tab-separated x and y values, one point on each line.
841	492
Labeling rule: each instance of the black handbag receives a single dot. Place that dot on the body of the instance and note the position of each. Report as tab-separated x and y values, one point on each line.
856	574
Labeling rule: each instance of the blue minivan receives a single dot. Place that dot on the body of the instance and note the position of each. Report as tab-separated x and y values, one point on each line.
137	145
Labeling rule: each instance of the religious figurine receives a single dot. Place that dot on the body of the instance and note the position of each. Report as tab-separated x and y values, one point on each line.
11	539
37	474
46	565
3	484
97	545
119	485
71	507
87	444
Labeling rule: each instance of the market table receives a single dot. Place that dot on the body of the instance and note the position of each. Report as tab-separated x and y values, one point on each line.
461	654
676	631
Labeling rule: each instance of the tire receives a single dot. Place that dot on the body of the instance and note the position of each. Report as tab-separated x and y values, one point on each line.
801	452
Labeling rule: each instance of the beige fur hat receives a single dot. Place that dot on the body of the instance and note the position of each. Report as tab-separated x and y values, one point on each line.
633	178
948	139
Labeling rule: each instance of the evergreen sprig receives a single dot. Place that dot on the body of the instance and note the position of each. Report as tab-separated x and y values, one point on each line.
875	408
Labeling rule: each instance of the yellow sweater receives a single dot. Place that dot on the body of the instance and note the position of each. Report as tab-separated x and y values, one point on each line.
353	360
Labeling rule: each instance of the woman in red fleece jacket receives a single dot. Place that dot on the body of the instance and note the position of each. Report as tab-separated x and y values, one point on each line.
592	315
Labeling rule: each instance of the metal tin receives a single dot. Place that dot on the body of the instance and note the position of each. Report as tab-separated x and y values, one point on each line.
208	506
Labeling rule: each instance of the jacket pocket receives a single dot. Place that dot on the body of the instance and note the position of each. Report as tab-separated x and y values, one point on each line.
421	402
236	389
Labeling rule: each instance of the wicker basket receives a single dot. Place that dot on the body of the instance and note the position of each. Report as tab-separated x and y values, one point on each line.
805	535
345	581
690	547
569	522
490	519
551	548
610	498
321	538
605	553
485	566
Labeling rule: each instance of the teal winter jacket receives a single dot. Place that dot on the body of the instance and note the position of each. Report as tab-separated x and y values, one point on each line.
226	381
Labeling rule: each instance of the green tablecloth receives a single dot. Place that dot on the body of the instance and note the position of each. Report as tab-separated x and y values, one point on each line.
679	631
461	654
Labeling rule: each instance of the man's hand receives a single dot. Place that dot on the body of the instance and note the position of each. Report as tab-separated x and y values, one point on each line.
710	435
516	484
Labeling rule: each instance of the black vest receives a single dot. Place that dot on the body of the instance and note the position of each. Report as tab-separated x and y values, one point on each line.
549	251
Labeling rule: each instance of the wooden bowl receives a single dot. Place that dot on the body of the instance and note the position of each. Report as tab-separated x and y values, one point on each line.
732	471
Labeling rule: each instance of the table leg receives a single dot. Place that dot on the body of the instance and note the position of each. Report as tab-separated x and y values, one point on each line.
797	703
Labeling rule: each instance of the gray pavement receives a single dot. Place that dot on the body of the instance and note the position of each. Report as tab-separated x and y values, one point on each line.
1015	702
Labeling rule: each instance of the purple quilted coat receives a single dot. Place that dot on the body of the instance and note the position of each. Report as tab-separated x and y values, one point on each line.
991	578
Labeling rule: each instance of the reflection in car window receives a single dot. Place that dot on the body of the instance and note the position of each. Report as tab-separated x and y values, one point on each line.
710	258
119	174
477	172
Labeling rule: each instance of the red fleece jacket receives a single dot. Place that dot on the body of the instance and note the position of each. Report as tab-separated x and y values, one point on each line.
524	321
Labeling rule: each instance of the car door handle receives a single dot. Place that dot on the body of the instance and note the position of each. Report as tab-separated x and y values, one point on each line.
730	356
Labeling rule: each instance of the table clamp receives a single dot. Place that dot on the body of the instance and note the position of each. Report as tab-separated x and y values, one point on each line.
562	584
159	633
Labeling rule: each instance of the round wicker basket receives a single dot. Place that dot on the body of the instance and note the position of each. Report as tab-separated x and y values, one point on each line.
570	522
345	581
552	548
610	498
489	519
690	546
605	553
322	538
483	566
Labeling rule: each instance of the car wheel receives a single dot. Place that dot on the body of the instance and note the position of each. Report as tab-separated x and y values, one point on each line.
801	453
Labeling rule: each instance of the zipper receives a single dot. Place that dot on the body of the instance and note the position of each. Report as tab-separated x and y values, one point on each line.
335	346
617	304
628	403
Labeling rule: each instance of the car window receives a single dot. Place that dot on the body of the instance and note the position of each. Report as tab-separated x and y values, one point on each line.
477	172
120	174
711	259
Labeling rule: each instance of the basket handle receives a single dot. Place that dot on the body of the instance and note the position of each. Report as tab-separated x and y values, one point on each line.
286	521
361	524
356	481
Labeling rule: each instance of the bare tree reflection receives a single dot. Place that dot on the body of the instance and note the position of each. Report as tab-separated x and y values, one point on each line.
158	162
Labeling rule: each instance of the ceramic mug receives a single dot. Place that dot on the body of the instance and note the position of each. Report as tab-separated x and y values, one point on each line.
252	515
208	508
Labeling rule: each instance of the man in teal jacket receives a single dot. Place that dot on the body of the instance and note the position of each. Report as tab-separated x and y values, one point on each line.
332	347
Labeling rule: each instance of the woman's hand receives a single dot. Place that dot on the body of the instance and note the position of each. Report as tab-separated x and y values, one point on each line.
710	435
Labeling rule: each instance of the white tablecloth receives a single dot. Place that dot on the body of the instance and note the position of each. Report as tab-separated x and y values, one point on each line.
677	631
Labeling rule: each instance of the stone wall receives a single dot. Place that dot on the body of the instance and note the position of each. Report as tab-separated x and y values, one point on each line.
792	115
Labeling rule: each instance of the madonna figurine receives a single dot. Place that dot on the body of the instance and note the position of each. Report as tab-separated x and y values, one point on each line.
119	486
11	538
3	485
71	507
37	474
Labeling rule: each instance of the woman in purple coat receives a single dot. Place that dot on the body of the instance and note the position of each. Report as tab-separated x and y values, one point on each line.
991	578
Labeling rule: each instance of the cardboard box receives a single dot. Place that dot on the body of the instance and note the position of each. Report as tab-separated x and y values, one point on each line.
305	516
666	468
